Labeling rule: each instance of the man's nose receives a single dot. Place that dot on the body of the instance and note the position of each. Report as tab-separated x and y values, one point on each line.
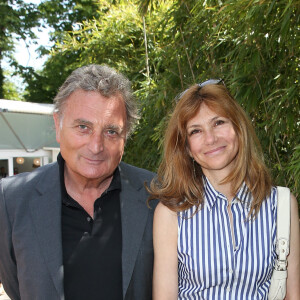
96	143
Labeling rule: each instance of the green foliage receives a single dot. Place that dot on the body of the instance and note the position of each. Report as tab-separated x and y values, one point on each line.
60	16
43	85
294	166
117	39
10	90
63	15
16	21
256	51
253	45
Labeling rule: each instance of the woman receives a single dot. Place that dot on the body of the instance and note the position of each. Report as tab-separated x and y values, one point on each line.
215	225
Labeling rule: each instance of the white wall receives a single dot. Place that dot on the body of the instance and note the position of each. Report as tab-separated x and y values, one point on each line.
8	159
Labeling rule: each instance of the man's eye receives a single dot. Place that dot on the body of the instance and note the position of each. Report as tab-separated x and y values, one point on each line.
112	132
82	127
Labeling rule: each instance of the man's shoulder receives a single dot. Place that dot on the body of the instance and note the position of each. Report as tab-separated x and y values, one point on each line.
138	178
135	172
29	178
16	191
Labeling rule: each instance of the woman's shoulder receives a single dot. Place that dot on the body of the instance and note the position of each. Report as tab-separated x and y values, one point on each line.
273	198
164	223
162	211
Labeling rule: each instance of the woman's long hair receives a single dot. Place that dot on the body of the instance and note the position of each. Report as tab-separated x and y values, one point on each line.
179	183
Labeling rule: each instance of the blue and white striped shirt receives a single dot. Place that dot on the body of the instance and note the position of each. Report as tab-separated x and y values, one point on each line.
209	266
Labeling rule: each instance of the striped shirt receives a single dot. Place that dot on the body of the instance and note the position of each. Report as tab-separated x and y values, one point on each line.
210	264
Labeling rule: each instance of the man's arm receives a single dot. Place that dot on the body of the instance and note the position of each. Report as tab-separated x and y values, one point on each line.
8	267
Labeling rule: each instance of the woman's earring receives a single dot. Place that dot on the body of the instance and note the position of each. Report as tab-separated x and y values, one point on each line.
194	169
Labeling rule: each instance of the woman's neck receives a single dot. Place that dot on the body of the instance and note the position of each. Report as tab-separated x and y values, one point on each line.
216	181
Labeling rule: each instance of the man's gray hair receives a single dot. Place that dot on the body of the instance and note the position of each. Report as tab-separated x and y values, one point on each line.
105	80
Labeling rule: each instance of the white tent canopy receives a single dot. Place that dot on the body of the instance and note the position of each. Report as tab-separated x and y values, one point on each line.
27	131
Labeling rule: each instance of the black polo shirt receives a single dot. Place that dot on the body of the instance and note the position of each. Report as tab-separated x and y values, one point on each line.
92	248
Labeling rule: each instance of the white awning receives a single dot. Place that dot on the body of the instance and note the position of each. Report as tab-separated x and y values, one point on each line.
26	125
26	107
26	131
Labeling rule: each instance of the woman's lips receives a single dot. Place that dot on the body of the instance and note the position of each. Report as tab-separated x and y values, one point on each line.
215	150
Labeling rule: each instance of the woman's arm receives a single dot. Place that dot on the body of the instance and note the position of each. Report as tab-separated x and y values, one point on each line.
165	276
293	278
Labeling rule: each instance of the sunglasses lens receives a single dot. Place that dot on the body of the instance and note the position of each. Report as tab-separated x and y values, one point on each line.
201	85
210	81
178	97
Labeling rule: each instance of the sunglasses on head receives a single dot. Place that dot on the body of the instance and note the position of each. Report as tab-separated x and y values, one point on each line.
201	85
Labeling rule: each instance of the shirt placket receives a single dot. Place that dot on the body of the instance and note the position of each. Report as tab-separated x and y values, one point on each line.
231	251
239	227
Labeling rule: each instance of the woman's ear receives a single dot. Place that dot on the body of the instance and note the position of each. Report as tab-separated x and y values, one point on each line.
189	151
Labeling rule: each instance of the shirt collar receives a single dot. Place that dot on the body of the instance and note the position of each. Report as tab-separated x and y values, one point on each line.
243	195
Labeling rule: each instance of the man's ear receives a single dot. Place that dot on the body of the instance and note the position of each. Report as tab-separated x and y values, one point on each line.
57	126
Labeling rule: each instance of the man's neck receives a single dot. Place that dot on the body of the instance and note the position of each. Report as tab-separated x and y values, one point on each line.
84	190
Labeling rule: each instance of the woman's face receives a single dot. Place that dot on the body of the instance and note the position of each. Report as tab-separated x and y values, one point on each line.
212	142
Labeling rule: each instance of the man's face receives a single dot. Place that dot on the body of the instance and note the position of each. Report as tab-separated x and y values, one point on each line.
91	133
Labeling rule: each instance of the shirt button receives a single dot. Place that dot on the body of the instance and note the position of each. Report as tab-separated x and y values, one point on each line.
230	271
228	289
88	219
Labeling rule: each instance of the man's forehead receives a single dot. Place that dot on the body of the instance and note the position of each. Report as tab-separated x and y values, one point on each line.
108	124
85	97
83	94
93	100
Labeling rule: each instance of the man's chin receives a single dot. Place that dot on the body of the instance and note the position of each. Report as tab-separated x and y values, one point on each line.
89	174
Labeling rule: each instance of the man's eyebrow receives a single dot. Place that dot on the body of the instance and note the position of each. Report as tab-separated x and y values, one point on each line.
82	122
115	127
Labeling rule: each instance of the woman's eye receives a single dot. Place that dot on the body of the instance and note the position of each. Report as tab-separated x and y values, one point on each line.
219	122
195	131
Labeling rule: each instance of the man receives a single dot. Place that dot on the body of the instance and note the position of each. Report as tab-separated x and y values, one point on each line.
80	228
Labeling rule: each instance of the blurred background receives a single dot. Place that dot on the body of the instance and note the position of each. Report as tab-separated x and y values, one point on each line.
163	47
